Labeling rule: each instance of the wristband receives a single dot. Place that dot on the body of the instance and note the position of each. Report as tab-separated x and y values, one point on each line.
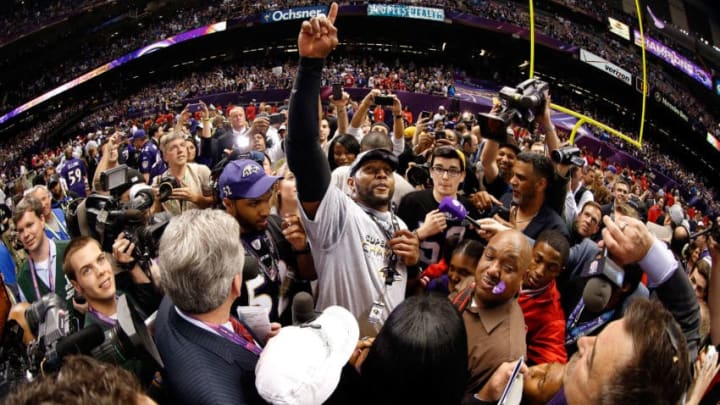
127	266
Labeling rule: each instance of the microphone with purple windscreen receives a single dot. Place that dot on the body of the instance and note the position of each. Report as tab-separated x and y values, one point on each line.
456	210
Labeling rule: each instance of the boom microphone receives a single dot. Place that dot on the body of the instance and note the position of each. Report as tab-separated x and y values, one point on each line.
458	211
303	308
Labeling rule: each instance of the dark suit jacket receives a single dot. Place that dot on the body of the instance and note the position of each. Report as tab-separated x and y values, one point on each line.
212	149
201	367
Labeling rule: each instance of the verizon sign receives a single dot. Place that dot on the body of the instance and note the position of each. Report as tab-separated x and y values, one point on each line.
607	67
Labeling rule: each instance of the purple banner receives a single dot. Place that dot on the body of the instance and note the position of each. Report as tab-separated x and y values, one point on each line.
674	58
176	39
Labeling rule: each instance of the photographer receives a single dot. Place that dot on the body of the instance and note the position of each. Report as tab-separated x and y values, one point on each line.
90	272
190	182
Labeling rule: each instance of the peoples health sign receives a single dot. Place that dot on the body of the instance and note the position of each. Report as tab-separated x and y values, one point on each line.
403	11
607	67
296	13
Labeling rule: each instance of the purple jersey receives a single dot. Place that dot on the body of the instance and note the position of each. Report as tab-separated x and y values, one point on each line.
75	174
148	156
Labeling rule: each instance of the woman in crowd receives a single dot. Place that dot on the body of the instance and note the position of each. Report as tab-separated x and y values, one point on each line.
342	151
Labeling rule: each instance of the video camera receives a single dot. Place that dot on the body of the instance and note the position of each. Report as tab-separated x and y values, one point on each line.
48	319
128	340
569	155
105	217
520	105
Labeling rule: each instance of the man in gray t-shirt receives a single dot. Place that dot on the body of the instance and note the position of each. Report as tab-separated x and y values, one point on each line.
360	248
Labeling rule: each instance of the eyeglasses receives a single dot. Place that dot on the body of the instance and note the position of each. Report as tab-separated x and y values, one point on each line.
441	171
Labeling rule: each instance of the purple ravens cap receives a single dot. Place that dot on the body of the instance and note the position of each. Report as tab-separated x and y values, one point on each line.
244	179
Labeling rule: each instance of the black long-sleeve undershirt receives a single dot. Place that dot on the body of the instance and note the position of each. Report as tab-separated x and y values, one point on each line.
304	155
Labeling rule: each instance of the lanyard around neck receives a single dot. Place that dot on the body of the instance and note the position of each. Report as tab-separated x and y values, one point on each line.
51	271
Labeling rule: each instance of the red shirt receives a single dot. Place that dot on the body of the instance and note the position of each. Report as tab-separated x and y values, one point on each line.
379	114
545	322
250	112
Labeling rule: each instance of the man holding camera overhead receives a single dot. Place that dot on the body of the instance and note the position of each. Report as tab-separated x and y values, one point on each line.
184	185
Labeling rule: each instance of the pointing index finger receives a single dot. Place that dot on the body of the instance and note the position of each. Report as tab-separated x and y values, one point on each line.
332	14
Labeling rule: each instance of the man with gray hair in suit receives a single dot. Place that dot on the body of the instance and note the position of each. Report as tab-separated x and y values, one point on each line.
209	355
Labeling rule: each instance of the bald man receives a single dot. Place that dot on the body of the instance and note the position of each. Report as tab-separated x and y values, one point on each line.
493	319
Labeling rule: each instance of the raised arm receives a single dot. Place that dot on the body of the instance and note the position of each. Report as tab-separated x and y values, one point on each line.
317	38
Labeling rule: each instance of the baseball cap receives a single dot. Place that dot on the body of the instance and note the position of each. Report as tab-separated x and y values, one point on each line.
139	134
611	169
510	142
244	179
373	154
302	364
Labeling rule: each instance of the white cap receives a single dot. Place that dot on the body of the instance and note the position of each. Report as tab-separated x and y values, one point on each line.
302	365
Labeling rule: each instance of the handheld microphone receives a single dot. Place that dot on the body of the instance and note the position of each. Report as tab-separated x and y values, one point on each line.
596	294
458	211
303	308
250	268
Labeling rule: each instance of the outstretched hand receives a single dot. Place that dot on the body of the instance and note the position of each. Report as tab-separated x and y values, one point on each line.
318	36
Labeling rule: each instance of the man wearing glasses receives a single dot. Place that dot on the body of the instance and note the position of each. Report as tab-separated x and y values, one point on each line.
420	211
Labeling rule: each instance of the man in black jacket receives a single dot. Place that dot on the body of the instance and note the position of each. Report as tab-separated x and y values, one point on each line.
209	355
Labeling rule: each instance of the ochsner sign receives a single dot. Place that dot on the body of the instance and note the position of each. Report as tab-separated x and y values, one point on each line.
607	67
296	13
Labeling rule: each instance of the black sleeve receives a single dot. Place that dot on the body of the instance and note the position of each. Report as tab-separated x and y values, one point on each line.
678	296
304	154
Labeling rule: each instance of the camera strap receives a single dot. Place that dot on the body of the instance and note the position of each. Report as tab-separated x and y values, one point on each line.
51	270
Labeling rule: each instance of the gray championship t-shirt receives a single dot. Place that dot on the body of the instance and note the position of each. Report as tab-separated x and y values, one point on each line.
350	252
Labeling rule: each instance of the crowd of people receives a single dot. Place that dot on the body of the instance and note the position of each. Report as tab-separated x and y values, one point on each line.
153	100
332	251
105	48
